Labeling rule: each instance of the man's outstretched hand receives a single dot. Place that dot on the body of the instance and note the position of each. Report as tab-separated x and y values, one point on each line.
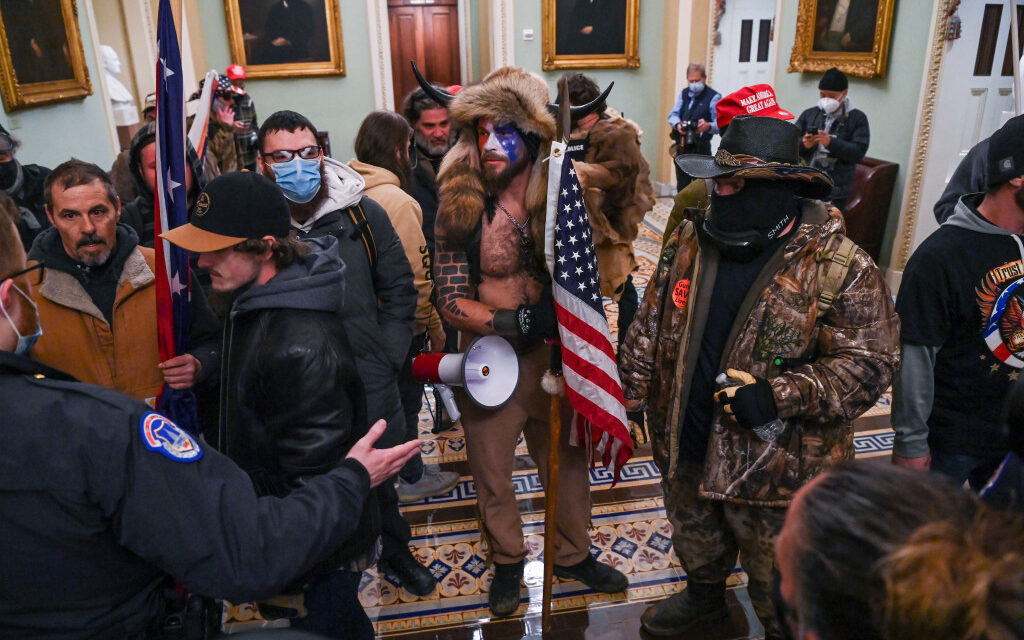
381	464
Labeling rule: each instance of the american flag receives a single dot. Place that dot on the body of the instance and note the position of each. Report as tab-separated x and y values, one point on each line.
588	362
172	268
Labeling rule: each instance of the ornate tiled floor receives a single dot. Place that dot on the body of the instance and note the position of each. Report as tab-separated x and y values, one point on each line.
629	532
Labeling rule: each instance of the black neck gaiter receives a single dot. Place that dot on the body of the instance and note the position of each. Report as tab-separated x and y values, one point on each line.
752	217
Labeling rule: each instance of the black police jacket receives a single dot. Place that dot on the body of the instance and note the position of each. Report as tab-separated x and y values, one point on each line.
101	499
292	403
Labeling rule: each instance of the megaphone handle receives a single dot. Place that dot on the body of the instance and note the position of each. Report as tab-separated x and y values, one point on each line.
448	398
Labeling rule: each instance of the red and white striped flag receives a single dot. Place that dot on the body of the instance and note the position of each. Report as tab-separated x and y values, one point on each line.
588	361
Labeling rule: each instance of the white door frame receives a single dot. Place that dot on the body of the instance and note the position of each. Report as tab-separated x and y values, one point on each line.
380	48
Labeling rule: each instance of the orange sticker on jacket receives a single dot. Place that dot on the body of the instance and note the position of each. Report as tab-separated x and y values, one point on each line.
681	293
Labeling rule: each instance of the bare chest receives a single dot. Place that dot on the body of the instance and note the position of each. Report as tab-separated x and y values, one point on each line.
500	248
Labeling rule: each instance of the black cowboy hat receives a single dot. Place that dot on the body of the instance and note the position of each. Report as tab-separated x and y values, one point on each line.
759	148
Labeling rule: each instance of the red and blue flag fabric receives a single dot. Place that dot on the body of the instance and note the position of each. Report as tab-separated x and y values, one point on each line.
172	267
589	366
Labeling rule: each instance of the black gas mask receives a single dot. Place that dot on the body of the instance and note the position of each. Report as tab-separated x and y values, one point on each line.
743	223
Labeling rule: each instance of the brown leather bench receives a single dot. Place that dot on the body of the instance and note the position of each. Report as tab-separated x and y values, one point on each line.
867	211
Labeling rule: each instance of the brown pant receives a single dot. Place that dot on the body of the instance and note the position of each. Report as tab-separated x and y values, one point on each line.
491	437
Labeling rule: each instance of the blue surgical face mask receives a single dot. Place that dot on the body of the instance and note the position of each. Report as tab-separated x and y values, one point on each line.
298	178
696	87
25	343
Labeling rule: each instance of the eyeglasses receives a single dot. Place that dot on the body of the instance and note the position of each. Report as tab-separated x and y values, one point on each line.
40	267
284	155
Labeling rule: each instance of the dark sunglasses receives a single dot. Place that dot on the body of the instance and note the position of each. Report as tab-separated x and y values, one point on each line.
39	267
285	155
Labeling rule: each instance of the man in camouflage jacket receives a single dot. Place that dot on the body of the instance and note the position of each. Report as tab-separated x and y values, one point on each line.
738	291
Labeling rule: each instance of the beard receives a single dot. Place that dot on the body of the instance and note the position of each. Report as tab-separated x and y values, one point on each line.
97	259
435	150
304	211
497	181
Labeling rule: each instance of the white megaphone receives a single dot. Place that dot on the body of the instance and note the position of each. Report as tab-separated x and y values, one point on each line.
488	371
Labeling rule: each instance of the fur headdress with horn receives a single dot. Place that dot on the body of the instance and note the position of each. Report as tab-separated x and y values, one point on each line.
506	96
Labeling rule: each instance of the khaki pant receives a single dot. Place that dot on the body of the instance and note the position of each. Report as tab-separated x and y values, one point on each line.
708	534
491	437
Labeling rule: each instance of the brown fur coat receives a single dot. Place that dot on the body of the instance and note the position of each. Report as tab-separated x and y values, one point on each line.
507	95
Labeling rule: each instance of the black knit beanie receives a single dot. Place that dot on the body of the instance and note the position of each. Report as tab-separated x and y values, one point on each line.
833	80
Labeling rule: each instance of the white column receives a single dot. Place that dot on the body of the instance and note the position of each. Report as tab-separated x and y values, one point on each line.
502	27
380	54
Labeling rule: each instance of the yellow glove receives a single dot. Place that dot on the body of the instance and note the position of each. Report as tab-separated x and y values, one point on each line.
751	400
725	396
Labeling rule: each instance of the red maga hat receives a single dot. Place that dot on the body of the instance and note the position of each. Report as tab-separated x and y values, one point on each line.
755	100
235	72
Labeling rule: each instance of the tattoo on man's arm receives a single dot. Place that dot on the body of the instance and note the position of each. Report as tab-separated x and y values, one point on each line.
451	277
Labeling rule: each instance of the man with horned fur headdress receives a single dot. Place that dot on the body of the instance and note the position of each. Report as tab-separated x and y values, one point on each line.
491	279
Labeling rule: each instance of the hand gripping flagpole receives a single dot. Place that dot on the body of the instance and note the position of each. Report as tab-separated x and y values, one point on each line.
553	382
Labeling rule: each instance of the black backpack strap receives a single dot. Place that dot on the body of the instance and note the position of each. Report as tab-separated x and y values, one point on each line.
362	230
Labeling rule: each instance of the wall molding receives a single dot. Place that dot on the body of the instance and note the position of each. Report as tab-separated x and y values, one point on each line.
502	36
380	54
911	204
717	9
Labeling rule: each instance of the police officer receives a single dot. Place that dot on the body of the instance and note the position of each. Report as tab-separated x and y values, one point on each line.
102	500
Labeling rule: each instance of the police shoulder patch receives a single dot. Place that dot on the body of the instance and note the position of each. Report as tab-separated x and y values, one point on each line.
163	436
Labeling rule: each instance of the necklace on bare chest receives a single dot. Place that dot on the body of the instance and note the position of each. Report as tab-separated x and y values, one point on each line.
522	228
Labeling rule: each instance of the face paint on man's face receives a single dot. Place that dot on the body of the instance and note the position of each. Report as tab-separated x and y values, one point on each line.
501	140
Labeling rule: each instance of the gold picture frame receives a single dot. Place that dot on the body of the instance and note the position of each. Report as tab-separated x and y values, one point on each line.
856	42
260	34
41	55
611	41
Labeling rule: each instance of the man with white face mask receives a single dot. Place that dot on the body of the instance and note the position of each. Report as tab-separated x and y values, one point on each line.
836	136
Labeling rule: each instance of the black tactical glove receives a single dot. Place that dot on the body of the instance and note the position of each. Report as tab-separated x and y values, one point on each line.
751	402
528	324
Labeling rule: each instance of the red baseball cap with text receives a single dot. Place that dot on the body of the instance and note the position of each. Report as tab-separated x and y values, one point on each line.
755	100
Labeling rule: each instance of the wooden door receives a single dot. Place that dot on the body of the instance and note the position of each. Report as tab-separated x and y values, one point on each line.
426	31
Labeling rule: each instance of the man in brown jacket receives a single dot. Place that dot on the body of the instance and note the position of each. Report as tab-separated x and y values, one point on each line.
99	295
753	350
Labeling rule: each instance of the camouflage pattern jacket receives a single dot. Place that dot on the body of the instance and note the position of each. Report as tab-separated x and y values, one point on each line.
837	365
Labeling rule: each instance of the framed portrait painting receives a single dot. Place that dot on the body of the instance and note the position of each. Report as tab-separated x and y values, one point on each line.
851	35
591	34
41	55
286	38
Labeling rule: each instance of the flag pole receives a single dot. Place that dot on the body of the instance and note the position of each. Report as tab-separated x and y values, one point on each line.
555	414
